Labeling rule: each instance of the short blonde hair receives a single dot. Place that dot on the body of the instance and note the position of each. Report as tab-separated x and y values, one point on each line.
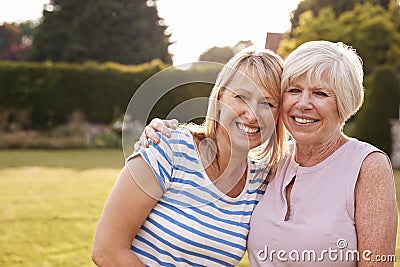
336	62
267	66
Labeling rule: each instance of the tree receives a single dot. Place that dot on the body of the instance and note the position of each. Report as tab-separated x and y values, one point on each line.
223	54
9	34
311	27
12	46
217	54
241	45
27	29
382	103
123	31
368	28
338	6
394	12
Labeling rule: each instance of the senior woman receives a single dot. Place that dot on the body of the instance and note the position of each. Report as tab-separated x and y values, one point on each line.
332	200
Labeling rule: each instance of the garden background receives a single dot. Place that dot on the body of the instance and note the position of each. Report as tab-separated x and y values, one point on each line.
65	84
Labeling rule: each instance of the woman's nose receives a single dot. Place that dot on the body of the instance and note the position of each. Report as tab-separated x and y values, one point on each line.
304	101
251	112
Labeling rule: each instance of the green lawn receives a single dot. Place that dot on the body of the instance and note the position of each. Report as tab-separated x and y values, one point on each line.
50	202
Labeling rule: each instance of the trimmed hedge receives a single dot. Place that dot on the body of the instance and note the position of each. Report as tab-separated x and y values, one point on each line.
51	92
382	101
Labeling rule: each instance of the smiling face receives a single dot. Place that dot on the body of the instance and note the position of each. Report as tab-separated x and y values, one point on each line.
248	113
310	112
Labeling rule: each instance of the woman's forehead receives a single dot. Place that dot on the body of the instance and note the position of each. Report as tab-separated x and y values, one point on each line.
248	86
311	79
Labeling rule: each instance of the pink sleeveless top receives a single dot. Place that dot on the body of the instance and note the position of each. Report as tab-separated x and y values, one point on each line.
321	229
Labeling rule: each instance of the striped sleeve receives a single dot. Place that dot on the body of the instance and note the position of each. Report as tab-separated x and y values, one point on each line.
160	159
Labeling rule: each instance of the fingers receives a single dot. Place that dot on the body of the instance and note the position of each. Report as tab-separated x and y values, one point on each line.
150	132
138	146
158	125
173	124
141	143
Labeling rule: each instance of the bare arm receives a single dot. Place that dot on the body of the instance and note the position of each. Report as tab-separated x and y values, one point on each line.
124	213
376	211
156	125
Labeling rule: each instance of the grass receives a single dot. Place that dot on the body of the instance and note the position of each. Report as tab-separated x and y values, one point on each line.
50	202
74	159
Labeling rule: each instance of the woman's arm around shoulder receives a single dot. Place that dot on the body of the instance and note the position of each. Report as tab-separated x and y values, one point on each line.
125	211
376	211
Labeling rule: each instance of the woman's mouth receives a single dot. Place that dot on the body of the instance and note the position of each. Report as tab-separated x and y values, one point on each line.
303	120
247	130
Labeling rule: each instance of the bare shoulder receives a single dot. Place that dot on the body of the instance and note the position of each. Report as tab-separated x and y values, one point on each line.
376	208
376	167
375	190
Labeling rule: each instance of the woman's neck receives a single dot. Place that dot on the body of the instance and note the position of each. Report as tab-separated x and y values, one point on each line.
308	155
225	168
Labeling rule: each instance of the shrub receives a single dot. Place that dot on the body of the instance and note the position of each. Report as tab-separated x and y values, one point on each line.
382	101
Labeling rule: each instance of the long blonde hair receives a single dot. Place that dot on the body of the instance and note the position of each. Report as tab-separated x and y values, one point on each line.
267	66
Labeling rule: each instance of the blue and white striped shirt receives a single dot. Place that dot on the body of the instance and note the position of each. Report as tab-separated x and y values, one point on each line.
194	224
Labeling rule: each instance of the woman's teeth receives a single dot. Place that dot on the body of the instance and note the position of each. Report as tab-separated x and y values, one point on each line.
246	129
301	120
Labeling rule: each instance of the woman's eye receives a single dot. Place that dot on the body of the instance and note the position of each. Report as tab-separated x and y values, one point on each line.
293	90
242	97
320	93
268	104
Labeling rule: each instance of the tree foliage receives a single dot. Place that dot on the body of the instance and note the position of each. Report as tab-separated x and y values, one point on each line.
217	54
15	40
382	103
369	28
311	27
338	6
27	30
9	34
224	54
123	31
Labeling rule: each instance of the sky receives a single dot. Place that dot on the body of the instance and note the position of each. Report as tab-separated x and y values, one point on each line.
195	25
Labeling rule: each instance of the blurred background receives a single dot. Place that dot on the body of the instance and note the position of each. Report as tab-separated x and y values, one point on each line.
68	70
